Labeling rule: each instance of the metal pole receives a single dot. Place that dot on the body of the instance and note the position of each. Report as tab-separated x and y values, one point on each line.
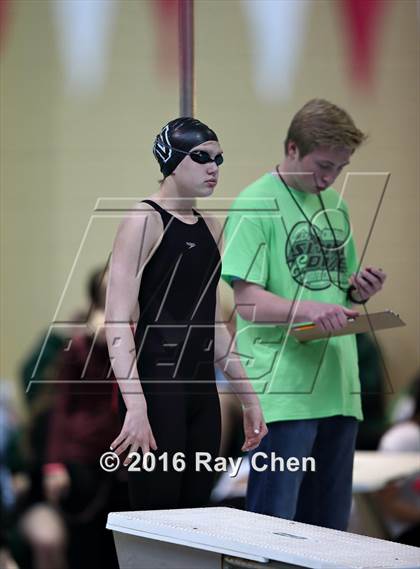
186	57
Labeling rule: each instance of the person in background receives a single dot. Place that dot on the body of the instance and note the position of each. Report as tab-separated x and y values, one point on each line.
8	428
39	533
84	418
400	499
372	390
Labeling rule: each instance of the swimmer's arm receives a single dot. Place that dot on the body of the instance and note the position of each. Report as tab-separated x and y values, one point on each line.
229	362
135	239
227	358
225	353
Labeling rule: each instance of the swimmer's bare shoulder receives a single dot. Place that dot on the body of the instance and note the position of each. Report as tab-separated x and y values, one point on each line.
138	235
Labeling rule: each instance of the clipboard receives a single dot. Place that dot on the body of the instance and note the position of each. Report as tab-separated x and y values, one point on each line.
363	323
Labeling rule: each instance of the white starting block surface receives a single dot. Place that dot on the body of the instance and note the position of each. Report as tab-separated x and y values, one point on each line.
200	537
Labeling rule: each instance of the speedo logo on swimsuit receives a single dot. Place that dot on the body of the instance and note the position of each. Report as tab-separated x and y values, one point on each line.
190	244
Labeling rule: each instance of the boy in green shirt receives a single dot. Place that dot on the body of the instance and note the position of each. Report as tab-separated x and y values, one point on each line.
290	258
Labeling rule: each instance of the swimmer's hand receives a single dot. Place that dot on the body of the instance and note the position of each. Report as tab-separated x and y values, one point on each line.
136	433
255	428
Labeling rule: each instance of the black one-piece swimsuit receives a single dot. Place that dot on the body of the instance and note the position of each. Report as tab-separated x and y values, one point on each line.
175	357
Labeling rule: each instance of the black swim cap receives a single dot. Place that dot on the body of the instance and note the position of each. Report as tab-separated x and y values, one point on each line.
180	134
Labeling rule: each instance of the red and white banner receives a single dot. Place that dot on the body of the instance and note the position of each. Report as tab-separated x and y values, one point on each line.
84	35
166	16
363	23
4	18
277	30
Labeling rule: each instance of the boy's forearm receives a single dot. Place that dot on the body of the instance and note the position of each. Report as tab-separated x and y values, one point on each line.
261	306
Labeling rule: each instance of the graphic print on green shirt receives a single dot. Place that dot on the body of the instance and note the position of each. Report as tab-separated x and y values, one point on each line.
269	242
316	257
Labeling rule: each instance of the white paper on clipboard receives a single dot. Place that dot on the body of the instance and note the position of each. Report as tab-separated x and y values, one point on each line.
363	323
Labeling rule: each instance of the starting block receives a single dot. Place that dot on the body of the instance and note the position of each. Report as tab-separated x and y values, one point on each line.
214	538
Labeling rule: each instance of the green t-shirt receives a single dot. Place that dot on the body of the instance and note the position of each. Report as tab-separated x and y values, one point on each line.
269	242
